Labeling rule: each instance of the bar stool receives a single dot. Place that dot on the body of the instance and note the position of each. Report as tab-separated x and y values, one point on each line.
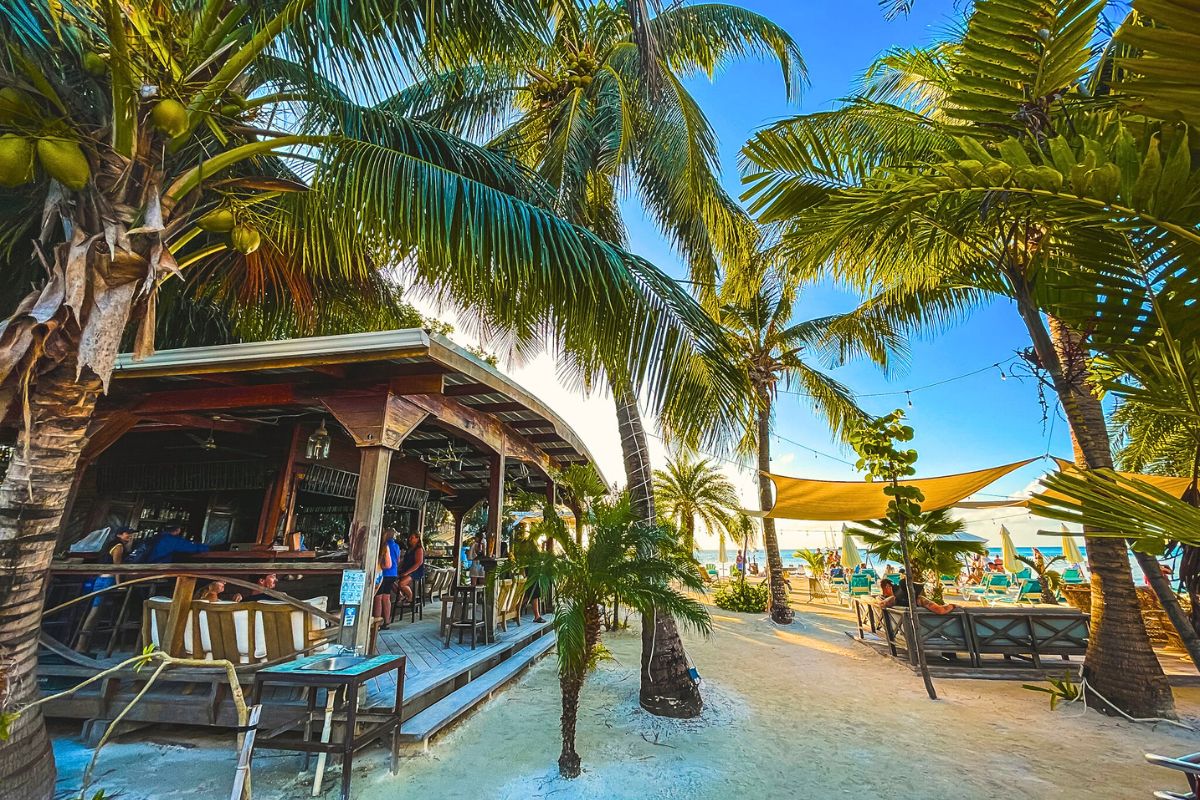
416	606
468	603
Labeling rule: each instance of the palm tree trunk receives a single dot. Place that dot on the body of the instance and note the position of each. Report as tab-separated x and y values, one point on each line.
780	611
667	689
568	760
1120	663
32	498
571	686
691	536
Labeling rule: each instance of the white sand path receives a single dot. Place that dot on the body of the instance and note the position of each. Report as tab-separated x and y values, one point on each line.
800	712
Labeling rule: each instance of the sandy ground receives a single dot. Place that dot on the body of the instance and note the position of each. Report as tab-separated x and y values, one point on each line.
801	712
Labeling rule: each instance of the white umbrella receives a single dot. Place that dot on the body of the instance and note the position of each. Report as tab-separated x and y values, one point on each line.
1008	552
1070	547
851	558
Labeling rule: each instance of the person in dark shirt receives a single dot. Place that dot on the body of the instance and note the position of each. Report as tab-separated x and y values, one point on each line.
412	568
170	542
268	581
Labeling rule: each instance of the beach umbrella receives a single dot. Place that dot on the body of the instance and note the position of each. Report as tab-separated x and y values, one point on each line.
1071	547
961	536
721	555
851	558
1009	553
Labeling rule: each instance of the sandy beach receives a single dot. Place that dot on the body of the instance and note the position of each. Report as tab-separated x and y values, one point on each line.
800	712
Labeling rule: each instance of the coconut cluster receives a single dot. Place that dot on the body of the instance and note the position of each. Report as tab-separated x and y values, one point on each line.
577	71
245	238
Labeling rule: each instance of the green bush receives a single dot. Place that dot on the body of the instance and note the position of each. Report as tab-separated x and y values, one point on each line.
745	597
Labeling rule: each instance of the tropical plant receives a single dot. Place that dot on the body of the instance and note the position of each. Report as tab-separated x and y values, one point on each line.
877	443
747	598
148	143
1050	580
773	350
932	548
1059	689
814	560
599	109
580	486
689	490
622	558
954	178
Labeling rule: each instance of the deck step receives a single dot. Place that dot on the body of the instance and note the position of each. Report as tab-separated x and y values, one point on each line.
420	727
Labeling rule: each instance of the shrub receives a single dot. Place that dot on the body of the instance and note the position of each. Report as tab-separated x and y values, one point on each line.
745	597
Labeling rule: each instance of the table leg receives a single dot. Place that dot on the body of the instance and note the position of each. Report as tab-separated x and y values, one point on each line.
326	731
398	710
308	721
350	738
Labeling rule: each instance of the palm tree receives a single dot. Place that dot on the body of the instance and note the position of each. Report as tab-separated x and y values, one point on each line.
601	113
951	180
153	142
688	490
581	486
1049	579
772	350
614	563
932	550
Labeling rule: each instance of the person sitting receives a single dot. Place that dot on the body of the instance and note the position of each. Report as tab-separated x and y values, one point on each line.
902	595
170	542
268	581
837	571
412	568
212	591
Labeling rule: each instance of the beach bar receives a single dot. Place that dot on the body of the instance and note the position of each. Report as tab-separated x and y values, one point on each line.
290	458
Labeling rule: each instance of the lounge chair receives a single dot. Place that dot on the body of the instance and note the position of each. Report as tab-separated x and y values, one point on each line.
995	584
1073	576
950	584
1028	591
860	586
1023	575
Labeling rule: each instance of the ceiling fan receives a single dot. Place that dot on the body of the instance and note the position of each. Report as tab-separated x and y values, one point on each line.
210	444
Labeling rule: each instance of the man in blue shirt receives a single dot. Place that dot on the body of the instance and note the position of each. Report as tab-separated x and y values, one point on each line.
169	542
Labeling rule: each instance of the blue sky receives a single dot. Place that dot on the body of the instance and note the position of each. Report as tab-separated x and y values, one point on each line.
975	422
968	424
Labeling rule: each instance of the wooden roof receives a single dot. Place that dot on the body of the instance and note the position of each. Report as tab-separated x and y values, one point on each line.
473	404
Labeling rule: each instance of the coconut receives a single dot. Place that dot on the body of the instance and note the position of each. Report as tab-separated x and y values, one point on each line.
65	161
16	160
245	238
15	106
218	220
170	117
94	64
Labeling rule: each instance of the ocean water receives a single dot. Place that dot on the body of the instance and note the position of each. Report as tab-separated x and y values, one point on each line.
710	557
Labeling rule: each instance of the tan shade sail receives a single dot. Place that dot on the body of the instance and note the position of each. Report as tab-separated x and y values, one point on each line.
799	498
1167	483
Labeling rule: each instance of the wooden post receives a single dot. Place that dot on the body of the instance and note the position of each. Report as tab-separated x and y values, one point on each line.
459	515
177	618
368	520
551	500
279	494
495	501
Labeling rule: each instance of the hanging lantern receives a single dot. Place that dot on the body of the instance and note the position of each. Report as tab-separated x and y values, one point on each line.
318	444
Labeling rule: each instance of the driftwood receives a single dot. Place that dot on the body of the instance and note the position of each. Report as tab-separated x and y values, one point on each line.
164	662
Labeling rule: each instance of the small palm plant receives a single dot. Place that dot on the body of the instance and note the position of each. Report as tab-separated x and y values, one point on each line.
933	548
623	558
813	560
1049	579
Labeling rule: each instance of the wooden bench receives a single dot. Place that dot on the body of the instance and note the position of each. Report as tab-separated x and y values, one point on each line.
1035	633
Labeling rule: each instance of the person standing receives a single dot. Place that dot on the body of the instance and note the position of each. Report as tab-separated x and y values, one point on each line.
389	562
741	563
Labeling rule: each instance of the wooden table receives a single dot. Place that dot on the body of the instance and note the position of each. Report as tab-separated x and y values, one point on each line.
346	684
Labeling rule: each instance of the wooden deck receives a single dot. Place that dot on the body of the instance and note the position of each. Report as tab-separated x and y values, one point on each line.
432	665
440	683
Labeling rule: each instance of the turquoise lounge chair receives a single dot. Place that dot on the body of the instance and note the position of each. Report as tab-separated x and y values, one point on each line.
860	585
1073	576
1029	591
1023	575
950	584
995	584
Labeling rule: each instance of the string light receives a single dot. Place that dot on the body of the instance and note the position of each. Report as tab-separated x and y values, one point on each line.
1003	377
908	393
